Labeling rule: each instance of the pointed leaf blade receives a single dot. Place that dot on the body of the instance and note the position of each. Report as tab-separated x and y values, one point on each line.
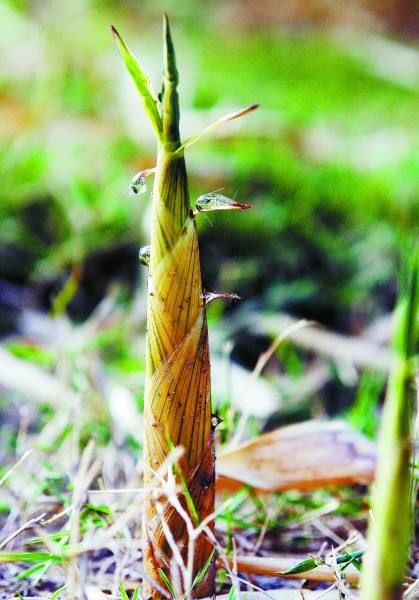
303	566
142	83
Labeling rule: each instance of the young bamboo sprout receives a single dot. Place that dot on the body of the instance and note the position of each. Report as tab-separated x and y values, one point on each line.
390	529
177	406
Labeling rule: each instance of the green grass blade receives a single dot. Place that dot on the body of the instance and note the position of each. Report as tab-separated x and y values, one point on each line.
363	413
167	582
233	594
349	557
307	564
188	497
201	574
29	557
136	594
189	500
38	570
142	83
57	594
124	595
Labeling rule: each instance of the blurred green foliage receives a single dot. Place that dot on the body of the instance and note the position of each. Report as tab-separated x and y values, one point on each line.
329	162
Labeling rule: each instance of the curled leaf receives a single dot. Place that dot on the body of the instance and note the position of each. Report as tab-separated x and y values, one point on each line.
214	201
210	296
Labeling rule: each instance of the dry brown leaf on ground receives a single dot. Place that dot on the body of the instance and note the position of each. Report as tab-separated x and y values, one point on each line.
276	566
284	595
302	456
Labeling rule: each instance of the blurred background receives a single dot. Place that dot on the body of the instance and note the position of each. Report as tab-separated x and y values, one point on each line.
329	162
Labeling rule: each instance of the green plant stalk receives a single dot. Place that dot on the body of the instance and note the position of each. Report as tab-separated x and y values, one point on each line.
390	529
177	405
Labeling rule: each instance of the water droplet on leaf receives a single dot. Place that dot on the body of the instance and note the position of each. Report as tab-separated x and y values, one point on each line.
144	255
138	184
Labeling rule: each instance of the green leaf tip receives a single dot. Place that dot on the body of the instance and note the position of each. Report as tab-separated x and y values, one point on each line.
170	100
142	83
307	564
170	69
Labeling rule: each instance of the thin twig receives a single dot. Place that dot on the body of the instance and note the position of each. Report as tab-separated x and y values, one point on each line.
28	525
12	469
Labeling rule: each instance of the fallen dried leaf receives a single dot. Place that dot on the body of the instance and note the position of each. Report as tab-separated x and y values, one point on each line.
275	566
302	456
283	595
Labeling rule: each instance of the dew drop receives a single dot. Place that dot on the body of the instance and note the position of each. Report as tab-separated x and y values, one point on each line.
144	255
138	184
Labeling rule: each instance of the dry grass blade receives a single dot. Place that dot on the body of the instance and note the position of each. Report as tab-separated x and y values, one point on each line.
412	591
302	456
27	525
358	351
87	472
12	469
260	365
229	117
